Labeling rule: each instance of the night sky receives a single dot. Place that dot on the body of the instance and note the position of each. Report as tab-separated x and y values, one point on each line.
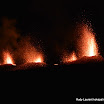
53	23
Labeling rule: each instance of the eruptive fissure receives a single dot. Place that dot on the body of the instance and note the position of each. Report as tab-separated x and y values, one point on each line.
86	46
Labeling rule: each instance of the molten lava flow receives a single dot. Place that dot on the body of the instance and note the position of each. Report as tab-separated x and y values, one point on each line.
72	57
8	59
87	43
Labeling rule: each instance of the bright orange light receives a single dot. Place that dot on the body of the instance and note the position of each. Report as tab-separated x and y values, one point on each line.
8	59
70	58
38	60
55	64
34	58
87	43
92	47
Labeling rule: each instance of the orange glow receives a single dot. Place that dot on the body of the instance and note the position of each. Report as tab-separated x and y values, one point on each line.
38	60
8	59
31	54
87	44
55	64
92	47
34	57
72	57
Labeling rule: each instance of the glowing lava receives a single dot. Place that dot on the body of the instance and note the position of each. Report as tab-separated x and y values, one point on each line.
72	57
35	58
87	43
31	54
8	59
38	60
92	47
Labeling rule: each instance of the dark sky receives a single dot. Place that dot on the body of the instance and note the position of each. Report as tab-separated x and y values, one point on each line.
53	21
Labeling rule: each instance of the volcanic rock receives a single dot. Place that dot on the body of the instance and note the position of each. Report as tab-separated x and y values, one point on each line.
30	66
7	67
88	60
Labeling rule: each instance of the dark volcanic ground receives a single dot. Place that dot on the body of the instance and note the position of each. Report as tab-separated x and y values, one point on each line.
80	79
84	64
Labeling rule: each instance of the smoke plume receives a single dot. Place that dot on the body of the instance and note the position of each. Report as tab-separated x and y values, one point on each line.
20	47
8	35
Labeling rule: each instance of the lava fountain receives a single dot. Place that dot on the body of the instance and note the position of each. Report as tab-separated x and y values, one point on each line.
35	58
87	44
30	53
70	58
39	59
8	58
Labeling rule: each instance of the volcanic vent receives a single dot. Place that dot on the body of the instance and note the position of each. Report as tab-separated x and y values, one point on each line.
87	45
